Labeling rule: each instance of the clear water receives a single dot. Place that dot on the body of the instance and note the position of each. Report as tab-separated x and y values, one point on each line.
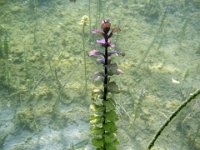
43	101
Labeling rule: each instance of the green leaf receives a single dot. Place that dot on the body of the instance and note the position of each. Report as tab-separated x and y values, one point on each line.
96	119
95	116
111	147
81	144
98	76
97	108
109	137
98	142
113	69
97	131
111	116
113	88
110	127
97	94
110	105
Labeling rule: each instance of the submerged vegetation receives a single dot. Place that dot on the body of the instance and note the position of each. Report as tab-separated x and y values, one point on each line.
44	73
104	116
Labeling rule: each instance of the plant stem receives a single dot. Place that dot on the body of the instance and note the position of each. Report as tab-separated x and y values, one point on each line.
106	72
105	86
193	96
90	16
35	19
159	31
98	13
6	62
84	53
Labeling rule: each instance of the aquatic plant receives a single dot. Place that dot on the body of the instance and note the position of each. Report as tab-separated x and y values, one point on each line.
1	49
152	10
84	21
4	61
172	116
104	116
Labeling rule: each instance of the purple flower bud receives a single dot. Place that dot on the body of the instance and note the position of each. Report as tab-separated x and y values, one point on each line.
105	25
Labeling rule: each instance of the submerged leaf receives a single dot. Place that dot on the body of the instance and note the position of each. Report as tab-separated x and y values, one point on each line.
113	69
94	53
112	66
116	29
97	131
81	144
113	88
116	52
97	91
110	127
112	146
98	142
102	60
103	43
109	138
111	116
96	108
110	104
97	95
118	71
96	119
98	76
98	31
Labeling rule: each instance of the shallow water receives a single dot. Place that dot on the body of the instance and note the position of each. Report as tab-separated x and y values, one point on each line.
44	103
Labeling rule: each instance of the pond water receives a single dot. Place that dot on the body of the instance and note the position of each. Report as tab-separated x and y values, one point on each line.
46	78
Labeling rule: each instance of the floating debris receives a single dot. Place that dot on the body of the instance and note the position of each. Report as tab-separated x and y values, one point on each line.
175	81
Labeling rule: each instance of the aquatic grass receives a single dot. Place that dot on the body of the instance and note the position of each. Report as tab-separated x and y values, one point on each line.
1	49
159	31
35	15
194	138
54	74
89	11
139	104
6	57
35	76
26	64
84	21
5	62
152	10
99	12
172	116
182	33
103	118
